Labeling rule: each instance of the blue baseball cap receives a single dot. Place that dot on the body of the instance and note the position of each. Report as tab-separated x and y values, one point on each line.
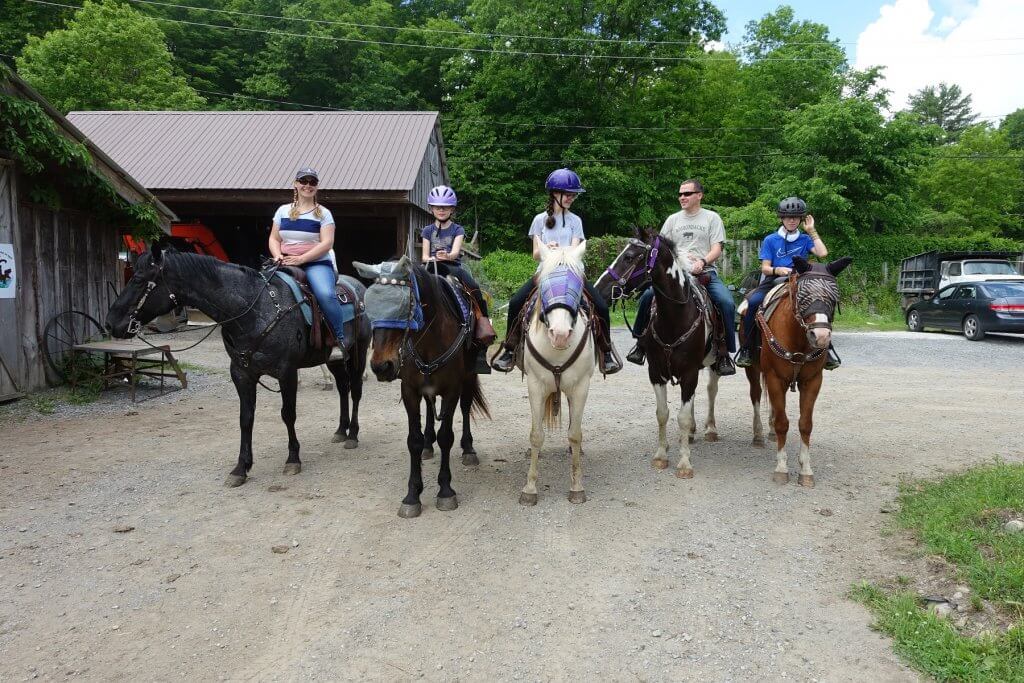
306	173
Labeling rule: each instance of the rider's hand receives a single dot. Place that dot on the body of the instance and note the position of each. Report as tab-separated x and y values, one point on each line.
441	255
782	271
292	260
696	267
552	245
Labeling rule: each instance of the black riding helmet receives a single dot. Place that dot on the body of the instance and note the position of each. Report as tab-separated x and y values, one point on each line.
792	206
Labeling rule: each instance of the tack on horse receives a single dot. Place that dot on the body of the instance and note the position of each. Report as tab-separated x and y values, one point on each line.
679	340
795	340
559	357
263	334
422	335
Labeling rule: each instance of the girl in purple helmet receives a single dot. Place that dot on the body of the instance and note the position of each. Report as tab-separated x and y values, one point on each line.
442	244
556	227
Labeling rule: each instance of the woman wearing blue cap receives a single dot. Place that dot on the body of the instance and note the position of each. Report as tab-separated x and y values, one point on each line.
303	235
557	227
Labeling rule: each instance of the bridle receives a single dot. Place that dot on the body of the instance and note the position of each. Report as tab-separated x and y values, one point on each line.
632	273
134	325
806	291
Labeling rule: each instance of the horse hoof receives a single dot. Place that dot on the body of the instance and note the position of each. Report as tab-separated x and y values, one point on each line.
338	437
757	443
684	474
234	480
780	477
711	437
469	459
577	497
292	468
527	498
447	504
350	444
659	464
427	454
806	480
408	511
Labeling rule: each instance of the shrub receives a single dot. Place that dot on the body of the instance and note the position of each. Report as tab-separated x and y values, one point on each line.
503	272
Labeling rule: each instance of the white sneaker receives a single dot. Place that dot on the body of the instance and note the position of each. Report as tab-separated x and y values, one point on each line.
338	353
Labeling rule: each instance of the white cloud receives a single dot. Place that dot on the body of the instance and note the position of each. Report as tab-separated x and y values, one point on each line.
982	52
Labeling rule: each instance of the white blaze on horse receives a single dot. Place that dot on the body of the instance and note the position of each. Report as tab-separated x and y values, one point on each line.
559	358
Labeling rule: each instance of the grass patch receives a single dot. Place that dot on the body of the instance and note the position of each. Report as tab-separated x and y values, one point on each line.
960	518
862	318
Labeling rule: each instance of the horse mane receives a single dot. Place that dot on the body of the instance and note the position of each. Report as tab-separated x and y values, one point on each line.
194	266
546	266
682	266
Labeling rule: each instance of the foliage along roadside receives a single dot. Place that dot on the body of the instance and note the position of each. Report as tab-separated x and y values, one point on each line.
961	519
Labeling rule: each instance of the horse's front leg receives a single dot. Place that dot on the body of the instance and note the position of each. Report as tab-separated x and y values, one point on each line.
429	435
289	384
414	442
776	387
245	385
446	499
687	389
539	393
808	395
710	428
469	456
756	392
660	460
577	399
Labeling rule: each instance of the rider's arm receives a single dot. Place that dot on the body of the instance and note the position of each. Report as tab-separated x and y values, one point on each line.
456	248
575	242
425	254
766	268
326	242
274	243
536	247
714	254
819	249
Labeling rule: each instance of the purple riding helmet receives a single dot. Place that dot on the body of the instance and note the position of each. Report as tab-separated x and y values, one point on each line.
442	195
564	180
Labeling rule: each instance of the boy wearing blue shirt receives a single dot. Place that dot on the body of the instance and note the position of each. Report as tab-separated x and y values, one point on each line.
777	252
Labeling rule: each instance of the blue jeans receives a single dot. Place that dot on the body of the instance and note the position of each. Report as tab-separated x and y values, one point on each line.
322	281
721	297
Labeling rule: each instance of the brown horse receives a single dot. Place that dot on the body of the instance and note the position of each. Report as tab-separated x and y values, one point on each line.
421	335
794	347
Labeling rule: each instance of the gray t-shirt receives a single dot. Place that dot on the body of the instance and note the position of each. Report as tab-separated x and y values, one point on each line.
694	235
567	226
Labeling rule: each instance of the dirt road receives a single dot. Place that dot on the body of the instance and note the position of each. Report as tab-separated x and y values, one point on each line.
723	577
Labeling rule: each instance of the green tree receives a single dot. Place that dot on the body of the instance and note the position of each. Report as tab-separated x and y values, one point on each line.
108	57
1013	126
945	106
19	20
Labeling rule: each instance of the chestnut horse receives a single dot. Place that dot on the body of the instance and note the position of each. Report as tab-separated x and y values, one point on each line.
422	335
794	346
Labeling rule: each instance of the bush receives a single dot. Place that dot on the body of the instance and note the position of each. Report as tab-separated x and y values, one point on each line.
601	252
503	272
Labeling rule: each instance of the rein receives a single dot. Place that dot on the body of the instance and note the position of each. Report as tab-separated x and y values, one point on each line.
425	367
821	289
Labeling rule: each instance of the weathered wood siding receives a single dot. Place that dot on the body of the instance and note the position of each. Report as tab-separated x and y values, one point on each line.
432	172
65	259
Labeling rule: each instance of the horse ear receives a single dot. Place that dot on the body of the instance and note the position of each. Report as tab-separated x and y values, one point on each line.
638	232
156	253
800	264
839	265
401	265
366	270
577	252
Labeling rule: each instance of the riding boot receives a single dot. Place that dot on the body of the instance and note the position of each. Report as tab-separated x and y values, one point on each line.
481	366
833	361
744	359
338	352
507	360
636	354
610	363
723	365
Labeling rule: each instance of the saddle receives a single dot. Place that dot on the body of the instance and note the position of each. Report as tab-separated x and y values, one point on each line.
321	334
482	331
711	313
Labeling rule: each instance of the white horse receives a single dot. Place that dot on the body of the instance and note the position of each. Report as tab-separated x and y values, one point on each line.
559	357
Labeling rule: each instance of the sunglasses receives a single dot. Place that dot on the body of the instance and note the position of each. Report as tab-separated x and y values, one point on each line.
688	194
313	182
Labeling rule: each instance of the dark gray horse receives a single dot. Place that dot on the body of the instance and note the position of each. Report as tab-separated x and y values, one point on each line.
263	334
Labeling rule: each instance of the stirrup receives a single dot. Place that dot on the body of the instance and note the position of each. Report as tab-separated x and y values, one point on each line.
480	363
338	353
724	366
636	355
609	363
744	358
832	360
506	361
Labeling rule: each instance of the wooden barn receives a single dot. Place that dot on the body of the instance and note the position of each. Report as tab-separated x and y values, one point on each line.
231	170
61	222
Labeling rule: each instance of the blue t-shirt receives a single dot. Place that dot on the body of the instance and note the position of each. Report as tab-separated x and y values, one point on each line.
776	249
442	239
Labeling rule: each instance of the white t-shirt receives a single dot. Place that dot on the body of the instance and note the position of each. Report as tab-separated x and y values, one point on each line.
567	227
303	233
694	235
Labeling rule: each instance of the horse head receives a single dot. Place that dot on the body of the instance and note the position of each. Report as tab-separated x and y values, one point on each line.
393	307
146	296
631	269
817	295
560	281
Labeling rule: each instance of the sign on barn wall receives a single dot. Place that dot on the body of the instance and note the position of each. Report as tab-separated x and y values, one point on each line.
8	273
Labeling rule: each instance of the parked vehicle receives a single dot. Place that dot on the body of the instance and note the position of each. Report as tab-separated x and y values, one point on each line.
974	308
923	275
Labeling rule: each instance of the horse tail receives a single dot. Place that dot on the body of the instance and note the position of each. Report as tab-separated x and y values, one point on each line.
552	410
479	405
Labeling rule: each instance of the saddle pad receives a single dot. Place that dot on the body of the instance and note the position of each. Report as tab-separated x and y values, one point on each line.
772	299
459	295
348	311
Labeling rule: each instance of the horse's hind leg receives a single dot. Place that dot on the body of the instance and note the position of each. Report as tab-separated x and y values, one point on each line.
342	382
348	384
577	402
660	460
289	383
687	387
469	456
414	442
780	423
710	428
429	435
756	391
446	499
246	388
808	395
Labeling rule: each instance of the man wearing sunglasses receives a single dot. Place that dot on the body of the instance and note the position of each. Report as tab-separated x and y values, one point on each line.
699	236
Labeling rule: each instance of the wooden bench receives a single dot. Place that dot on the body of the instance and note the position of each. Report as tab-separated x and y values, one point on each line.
127	359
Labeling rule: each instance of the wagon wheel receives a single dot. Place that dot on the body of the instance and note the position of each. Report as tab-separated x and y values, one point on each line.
62	333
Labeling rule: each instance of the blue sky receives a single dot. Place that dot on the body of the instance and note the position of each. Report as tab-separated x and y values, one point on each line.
976	44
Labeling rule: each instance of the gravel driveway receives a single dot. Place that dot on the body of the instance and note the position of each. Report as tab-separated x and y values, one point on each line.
723	577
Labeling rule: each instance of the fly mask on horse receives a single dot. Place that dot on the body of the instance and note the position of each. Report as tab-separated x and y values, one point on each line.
560	358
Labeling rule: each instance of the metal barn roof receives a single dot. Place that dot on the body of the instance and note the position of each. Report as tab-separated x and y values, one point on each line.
261	150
